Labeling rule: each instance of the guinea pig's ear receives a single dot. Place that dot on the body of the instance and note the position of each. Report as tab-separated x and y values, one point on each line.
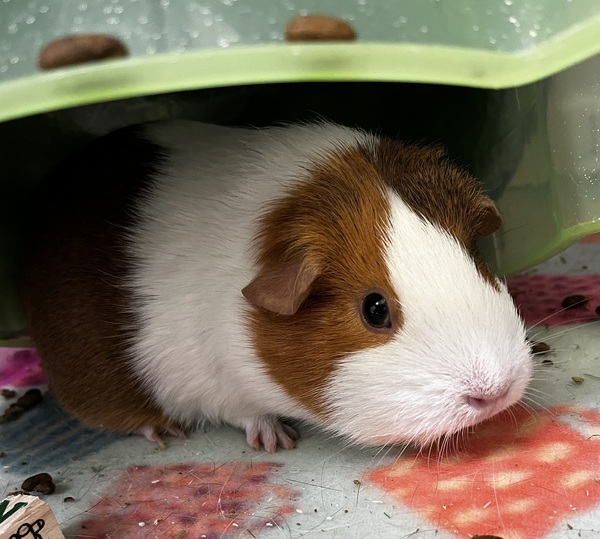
490	219
282	289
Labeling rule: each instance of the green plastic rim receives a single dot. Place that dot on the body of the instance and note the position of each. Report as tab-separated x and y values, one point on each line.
326	62
562	240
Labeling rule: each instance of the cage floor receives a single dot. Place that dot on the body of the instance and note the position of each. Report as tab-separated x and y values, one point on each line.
533	473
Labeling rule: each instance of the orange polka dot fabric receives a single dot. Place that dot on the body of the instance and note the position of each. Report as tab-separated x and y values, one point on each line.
522	476
539	298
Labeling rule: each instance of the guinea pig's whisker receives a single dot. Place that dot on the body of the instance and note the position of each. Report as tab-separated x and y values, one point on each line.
396	458
556	312
567	330
404	449
513	229
534	392
382	452
512	416
537	392
534	411
540	376
556	350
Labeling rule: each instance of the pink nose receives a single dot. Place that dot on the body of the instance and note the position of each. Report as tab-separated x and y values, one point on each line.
485	400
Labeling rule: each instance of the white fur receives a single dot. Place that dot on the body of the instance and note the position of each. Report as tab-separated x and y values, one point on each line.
193	259
461	338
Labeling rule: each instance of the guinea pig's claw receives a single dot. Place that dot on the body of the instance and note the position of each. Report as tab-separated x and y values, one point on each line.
270	433
151	434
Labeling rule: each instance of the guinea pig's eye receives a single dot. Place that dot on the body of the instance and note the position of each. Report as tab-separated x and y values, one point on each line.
375	311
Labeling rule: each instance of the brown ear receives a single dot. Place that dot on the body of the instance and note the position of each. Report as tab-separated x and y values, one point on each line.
283	289
490	219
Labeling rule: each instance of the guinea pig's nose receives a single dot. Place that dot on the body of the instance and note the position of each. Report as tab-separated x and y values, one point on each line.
487	399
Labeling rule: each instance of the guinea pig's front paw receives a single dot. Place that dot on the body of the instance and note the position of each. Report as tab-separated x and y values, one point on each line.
269	432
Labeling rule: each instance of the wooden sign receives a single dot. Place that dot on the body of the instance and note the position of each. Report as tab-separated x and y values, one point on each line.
27	517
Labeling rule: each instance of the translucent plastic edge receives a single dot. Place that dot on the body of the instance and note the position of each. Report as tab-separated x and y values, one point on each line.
561	241
282	62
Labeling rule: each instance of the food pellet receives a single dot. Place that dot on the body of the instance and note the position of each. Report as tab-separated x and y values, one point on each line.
576	300
30	398
79	49
540	348
41	482
318	28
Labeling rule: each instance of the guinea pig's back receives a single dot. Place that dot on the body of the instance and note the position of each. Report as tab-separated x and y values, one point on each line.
75	270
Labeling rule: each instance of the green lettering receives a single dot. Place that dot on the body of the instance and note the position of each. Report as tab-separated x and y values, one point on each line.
5	516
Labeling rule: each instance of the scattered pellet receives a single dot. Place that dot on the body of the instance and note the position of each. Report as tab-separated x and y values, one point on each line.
574	301
319	28
539	348
80	49
41	482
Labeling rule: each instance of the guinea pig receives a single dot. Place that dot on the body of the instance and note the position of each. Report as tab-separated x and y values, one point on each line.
181	273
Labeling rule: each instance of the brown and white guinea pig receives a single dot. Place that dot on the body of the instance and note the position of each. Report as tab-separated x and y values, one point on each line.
183	272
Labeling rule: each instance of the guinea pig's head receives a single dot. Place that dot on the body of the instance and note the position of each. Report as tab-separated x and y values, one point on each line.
372	306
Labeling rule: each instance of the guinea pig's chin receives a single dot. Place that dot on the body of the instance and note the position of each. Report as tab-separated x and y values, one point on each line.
423	434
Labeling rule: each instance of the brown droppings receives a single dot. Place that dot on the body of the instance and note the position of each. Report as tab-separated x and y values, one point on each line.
8	393
577	379
30	398
11	414
574	301
80	49
540	348
547	362
68	499
319	28
41	482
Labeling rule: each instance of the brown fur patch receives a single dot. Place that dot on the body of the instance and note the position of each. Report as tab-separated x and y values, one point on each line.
439	191
336	220
74	292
